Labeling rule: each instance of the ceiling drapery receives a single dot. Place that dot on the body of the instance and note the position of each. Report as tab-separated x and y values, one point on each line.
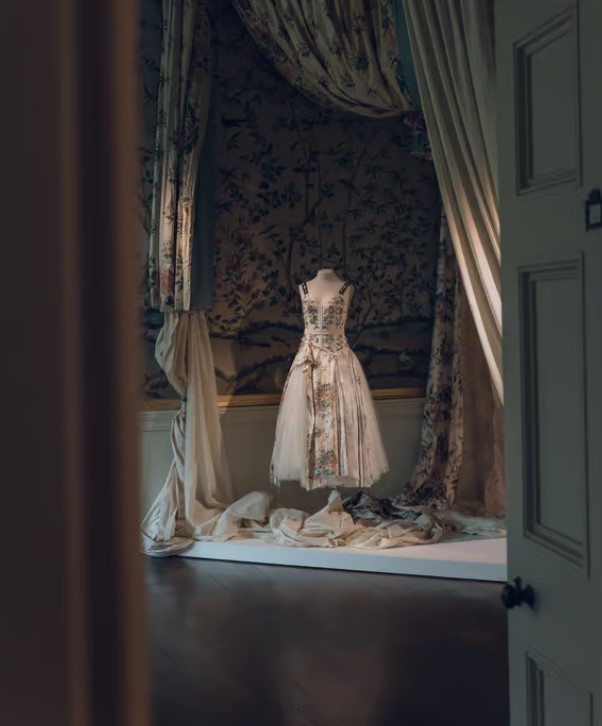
341	54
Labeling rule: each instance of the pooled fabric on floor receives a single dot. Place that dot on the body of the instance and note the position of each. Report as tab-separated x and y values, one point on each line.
360	522
370	511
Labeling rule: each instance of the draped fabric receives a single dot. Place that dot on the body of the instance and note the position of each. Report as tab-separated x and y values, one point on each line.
461	453
415	119
337	524
189	504
342	55
481	479
460	459
453	47
183	108
436	475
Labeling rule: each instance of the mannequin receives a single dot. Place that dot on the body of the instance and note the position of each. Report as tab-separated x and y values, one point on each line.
326	285
327	433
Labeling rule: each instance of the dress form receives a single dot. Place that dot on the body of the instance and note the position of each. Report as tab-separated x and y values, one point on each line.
325	285
327	433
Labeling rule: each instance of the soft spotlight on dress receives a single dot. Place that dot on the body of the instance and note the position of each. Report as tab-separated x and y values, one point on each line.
327	432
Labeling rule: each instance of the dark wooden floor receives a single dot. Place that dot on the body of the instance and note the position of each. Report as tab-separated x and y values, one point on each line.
249	645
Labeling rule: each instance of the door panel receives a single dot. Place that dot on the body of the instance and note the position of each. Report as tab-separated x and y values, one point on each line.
553	699
548	130
549	61
553	380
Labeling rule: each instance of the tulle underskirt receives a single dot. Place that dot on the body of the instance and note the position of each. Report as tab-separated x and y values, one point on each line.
327	432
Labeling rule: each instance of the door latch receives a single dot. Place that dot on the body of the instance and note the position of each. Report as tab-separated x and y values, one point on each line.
514	595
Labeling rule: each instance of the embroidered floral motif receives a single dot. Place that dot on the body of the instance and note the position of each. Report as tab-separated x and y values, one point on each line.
333	314
323	396
311	315
318	433
328	343
324	333
327	466
332	318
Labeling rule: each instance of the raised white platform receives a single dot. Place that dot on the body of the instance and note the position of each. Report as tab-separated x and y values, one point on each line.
475	559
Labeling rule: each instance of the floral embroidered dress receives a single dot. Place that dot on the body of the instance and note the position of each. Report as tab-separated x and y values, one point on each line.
327	432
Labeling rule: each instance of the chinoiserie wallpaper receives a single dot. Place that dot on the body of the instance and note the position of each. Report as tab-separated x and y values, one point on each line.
298	187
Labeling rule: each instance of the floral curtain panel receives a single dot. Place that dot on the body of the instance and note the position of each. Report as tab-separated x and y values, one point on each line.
342	54
189	504
460	459
437	473
183	108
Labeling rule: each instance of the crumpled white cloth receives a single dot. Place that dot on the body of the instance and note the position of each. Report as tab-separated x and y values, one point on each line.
475	526
190	503
331	526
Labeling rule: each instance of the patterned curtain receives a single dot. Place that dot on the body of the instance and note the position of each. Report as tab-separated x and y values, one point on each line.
414	119
342	55
436	475
460	460
190	502
183	108
452	43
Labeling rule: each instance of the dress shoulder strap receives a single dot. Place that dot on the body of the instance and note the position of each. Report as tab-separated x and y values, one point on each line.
345	286
304	286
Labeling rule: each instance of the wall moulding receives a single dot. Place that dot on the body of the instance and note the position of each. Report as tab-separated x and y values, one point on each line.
273	399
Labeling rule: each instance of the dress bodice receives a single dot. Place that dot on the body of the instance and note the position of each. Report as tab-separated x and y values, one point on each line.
325	321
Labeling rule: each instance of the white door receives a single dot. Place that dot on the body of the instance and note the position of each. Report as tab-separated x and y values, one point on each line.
549	56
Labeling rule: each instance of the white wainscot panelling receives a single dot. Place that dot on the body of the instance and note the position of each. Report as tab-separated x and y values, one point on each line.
249	436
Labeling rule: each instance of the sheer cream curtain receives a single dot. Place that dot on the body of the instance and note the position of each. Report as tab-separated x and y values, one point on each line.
453	47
